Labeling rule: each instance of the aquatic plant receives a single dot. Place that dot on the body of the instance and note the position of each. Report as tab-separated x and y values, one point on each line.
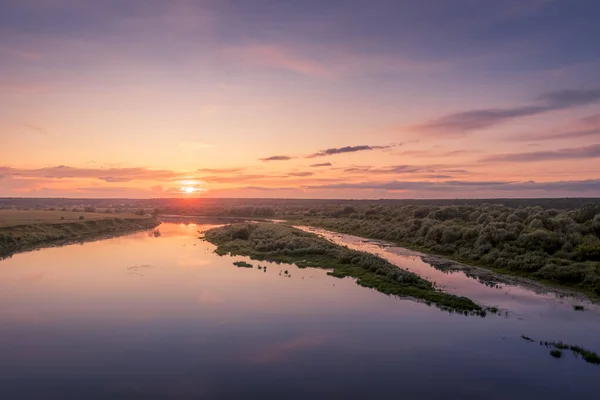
587	355
242	264
556	353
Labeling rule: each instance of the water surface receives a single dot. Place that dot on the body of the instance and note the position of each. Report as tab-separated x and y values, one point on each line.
164	317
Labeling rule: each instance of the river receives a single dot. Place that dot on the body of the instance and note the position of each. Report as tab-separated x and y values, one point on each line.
145	316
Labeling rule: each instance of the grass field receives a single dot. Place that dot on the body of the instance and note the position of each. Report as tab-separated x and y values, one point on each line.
23	230
9	218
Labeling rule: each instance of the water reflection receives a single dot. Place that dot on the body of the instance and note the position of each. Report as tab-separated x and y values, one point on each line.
76	323
511	299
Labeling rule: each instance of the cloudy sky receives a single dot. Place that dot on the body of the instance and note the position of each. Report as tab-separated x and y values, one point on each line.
313	99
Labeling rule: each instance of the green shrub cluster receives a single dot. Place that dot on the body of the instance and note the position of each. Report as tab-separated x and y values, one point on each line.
557	245
282	243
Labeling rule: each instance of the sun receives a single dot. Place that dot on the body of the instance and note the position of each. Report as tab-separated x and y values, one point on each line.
191	187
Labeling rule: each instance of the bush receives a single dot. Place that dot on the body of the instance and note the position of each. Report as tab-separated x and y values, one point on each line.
559	245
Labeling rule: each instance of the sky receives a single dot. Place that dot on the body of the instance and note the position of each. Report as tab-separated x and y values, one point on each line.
299	99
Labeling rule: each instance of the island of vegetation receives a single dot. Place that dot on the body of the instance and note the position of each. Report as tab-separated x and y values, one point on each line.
243	264
23	230
282	243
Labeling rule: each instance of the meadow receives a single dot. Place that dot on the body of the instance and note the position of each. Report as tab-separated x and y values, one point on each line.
22	230
9	218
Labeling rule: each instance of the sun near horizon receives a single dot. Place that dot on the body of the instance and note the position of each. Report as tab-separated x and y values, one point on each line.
443	99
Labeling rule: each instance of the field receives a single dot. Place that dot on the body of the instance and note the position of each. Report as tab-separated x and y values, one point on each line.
23	230
10	218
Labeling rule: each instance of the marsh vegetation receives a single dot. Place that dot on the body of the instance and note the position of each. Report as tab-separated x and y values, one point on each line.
243	264
587	355
282	243
557	348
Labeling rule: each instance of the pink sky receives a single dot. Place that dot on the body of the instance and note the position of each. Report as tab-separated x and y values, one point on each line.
189	98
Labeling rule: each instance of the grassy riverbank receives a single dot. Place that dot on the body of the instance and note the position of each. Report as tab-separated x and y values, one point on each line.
282	243
27	230
560	247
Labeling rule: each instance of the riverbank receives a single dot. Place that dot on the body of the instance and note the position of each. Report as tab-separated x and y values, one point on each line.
581	279
283	243
30	230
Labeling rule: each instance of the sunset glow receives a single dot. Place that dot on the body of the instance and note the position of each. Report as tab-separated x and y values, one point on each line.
421	102
299	199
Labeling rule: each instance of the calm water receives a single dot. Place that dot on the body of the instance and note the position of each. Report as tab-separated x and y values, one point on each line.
163	317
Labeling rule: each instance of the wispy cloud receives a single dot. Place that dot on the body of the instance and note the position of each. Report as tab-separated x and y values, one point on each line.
574	134
585	127
276	158
239	178
35	129
330	152
318	165
467	121
591	185
305	173
592	151
220	170
105	174
401	169
326	62
346	149
284	59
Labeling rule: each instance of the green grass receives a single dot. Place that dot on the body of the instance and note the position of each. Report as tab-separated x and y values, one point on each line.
22	234
556	353
282	243
10	218
585	354
242	264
